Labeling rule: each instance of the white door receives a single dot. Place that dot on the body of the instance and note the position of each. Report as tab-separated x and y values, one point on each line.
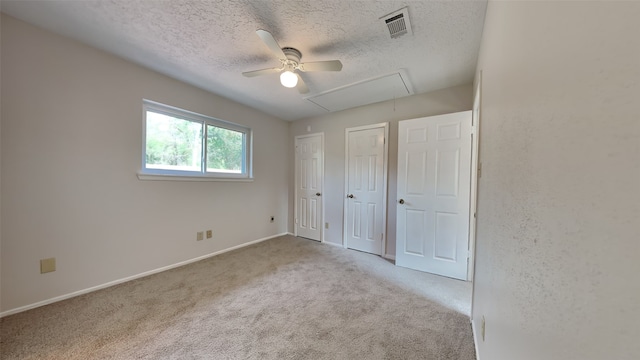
434	164
309	178
365	204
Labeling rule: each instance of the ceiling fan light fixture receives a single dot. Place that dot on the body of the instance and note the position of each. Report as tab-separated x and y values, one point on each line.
290	60
288	79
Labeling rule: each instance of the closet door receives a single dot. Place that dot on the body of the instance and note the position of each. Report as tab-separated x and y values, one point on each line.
434	177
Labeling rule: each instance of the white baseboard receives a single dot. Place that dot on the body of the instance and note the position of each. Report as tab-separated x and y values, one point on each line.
129	278
475	338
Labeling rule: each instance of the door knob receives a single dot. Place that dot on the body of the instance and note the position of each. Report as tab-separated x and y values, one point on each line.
350	196
401	201
318	194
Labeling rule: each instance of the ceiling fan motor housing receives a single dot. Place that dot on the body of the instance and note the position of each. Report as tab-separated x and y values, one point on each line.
292	54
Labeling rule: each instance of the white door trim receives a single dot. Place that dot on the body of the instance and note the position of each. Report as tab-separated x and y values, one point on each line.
295	194
385	171
475	179
473	194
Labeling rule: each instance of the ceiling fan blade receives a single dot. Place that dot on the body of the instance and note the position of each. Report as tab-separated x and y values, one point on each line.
302	87
261	72
330	65
271	43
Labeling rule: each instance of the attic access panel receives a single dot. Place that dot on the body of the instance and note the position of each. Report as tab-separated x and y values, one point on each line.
386	87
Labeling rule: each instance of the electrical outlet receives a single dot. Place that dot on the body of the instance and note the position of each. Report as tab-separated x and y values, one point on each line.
273	218
326	225
200	235
47	265
482	328
209	234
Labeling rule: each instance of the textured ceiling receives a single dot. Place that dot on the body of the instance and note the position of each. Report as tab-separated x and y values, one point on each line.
210	43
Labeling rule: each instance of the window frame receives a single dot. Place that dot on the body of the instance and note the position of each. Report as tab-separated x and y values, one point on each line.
146	173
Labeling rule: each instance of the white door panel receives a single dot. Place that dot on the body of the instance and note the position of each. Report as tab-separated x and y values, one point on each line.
366	189
434	163
309	179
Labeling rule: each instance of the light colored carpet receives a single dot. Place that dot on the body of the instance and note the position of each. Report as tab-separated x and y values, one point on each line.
285	298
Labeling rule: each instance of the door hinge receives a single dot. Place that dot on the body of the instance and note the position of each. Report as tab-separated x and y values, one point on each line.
296	220
479	170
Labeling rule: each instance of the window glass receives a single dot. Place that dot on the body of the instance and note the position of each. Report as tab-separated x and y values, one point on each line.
172	143
224	150
182	143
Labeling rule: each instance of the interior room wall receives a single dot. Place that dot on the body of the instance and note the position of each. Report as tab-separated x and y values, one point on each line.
71	148
0	164
559	197
333	126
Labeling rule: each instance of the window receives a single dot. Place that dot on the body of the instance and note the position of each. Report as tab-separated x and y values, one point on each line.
185	144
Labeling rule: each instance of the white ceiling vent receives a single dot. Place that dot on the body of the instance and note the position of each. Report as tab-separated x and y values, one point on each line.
398	23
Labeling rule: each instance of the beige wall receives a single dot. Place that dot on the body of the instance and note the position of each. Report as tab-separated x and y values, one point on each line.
333	126
0	166
559	198
71	148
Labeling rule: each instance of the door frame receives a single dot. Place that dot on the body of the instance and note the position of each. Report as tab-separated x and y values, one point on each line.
385	171
476	173
295	191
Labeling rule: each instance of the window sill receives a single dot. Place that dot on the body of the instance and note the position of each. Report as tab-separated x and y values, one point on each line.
165	177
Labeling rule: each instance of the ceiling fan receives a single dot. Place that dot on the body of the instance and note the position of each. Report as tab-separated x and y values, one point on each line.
290	59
